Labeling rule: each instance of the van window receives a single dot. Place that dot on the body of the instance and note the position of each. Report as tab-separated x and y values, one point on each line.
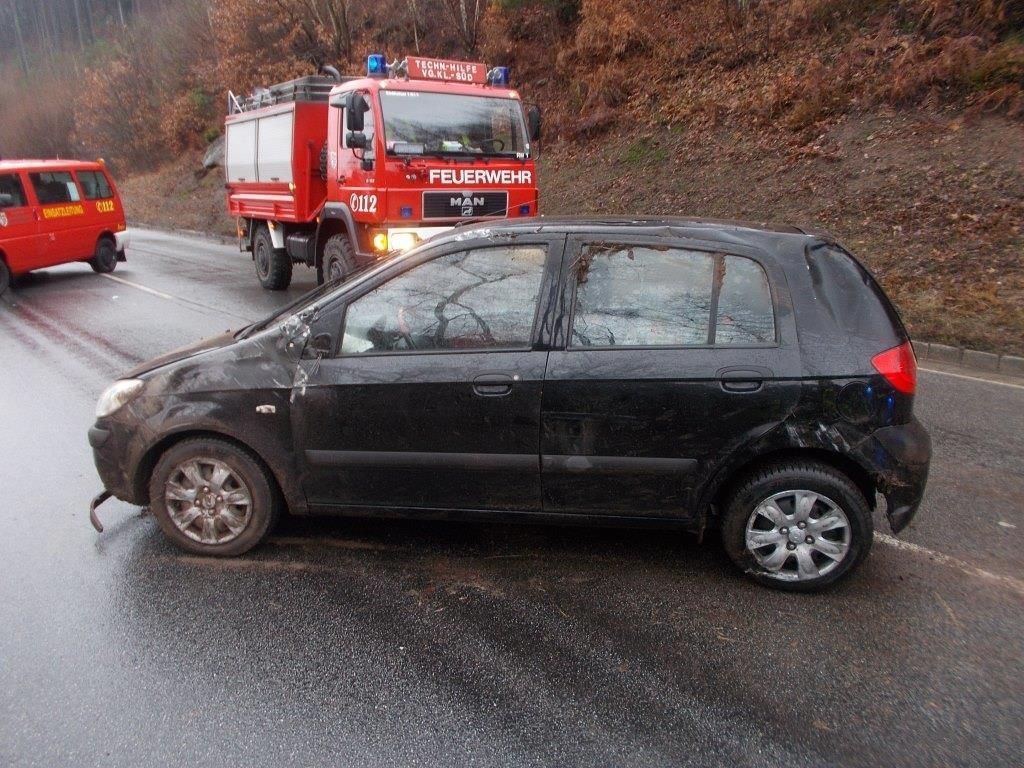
55	187
12	194
639	296
94	185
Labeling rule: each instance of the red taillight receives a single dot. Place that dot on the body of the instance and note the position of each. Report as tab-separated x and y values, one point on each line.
899	366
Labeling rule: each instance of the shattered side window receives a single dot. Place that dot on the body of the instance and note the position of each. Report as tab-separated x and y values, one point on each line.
641	296
480	299
744	314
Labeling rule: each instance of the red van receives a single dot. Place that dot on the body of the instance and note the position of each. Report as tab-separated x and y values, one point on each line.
58	211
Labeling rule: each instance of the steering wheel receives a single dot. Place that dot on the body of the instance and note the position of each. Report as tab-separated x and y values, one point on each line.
496	144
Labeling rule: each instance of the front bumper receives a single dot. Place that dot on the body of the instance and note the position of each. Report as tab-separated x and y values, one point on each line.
902	456
110	454
122	240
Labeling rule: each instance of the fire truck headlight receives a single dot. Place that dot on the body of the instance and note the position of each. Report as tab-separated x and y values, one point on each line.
380	242
403	241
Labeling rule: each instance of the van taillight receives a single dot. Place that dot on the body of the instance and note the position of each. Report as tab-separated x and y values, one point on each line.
899	366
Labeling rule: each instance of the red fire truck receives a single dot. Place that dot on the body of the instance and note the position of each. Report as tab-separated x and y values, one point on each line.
333	171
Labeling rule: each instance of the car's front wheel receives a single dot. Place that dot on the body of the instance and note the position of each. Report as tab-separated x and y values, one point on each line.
797	526
212	497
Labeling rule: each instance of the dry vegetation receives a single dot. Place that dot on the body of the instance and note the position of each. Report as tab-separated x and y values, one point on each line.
897	124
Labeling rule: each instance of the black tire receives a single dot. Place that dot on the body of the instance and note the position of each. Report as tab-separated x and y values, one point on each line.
105	258
339	259
247	472
273	266
5	277
779	488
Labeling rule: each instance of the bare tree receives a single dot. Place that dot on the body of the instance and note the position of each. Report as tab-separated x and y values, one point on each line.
466	15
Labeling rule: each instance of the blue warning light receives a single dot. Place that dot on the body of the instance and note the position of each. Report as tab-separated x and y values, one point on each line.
376	65
499	77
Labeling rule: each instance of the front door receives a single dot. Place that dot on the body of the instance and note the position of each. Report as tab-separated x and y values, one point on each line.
432	399
19	225
672	360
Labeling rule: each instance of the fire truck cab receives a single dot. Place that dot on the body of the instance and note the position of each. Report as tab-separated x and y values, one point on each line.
334	172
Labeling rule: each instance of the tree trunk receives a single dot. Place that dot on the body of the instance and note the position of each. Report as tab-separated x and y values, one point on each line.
78	24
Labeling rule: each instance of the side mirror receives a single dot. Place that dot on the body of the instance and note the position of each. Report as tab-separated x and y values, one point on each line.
533	121
322	344
355	106
355	140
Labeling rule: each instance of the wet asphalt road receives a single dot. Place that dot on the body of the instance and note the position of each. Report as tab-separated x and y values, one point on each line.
404	643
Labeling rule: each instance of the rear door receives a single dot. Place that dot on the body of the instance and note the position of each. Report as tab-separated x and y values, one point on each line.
19	225
432	400
673	359
63	218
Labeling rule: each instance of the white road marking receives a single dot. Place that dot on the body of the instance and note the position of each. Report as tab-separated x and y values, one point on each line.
971	570
175	299
973	378
140	287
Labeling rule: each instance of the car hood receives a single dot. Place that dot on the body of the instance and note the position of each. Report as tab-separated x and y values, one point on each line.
181	353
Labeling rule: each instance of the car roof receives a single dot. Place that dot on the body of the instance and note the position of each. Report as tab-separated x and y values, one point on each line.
756	234
49	165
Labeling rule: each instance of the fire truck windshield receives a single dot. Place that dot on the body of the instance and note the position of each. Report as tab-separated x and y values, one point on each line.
417	122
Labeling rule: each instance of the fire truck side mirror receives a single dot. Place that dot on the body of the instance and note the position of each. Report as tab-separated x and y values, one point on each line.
533	120
355	140
355	106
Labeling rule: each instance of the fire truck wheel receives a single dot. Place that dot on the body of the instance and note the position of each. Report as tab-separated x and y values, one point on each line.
273	266
5	277
105	258
339	260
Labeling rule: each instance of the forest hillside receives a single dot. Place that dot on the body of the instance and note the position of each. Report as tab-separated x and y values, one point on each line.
897	124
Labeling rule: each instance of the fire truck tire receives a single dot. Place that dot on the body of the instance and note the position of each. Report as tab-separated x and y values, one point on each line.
273	265
339	259
5	277
105	258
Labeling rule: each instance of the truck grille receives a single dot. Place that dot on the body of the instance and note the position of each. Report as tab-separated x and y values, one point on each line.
464	204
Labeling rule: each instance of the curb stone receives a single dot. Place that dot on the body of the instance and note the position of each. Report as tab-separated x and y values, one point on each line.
990	362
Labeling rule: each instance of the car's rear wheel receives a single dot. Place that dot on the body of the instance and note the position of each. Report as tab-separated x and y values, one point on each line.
105	258
797	526
212	497
339	259
273	265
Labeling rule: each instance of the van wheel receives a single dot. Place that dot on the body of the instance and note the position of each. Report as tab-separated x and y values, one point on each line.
273	266
105	258
797	526
339	260
211	497
5	277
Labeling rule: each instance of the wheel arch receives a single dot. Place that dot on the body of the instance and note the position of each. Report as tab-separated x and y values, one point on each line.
335	219
145	466
719	489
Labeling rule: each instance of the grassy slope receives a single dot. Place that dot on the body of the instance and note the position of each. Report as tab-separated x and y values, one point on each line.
934	205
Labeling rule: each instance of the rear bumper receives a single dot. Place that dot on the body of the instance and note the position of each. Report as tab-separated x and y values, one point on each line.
902	457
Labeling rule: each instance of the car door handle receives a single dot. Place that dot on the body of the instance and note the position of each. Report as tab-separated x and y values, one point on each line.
492	384
741	385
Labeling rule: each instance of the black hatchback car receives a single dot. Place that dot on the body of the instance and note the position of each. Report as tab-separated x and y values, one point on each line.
666	372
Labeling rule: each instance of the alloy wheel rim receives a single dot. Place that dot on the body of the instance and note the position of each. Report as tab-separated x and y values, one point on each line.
208	501
798	535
